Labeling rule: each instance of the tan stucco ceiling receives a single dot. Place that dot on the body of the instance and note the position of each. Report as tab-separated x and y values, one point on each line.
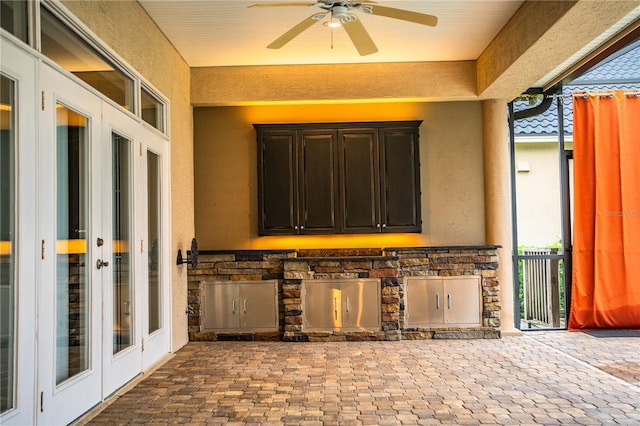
228	33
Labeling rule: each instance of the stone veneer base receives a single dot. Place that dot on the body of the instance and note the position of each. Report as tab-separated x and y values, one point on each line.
391	266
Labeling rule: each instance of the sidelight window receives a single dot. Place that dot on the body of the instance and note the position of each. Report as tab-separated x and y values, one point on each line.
7	243
154	221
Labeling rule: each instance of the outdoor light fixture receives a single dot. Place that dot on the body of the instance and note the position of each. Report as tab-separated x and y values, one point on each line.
192	255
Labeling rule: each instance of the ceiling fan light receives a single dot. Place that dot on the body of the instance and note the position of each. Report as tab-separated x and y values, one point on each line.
332	24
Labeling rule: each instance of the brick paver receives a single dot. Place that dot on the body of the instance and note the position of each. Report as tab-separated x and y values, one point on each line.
619	355
541	378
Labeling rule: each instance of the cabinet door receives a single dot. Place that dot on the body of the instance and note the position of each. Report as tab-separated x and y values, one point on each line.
318	182
359	180
258	304
277	180
361	305
462	300
221	308
425	303
322	305
400	180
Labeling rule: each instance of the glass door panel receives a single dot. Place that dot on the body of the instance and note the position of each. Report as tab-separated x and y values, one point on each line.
154	171
72	269
7	243
123	305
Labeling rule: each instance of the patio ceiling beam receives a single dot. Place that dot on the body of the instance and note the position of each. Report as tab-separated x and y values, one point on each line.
539	37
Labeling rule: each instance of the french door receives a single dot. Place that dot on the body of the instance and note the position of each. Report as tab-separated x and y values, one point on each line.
91	296
17	235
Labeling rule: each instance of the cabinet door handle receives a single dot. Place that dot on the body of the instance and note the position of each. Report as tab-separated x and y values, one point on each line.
347	304
384	225
377	225
437	301
449	301
335	307
301	227
295	227
233	306
245	306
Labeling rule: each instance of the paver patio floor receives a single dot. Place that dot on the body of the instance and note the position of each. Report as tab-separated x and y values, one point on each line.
539	378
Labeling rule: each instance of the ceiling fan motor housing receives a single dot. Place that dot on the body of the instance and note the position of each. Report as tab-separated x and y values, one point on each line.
339	12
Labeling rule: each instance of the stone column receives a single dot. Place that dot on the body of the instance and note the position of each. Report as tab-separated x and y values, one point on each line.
497	199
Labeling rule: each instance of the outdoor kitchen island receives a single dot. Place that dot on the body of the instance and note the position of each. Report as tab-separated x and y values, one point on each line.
445	292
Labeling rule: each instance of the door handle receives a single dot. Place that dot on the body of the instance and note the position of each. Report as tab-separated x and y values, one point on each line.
449	301
335	307
347	304
245	306
101	264
437	301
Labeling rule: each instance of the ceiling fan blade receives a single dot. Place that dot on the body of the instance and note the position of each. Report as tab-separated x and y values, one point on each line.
404	15
360	37
282	4
294	32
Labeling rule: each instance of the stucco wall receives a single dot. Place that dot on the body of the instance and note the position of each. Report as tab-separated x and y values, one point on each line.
451	172
538	193
127	29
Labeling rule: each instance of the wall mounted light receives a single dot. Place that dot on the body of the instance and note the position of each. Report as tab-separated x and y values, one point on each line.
192	255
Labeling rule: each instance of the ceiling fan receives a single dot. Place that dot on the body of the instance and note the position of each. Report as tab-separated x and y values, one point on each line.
341	12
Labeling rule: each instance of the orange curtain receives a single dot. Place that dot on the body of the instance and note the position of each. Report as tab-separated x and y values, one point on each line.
606	244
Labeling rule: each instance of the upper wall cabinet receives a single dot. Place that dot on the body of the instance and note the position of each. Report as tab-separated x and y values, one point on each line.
338	178
298	186
380	178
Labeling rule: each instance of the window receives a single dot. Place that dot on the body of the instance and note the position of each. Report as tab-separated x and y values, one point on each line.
151	109
7	242
14	18
77	52
75	55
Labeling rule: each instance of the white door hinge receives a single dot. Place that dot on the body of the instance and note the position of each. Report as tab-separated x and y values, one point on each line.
43	100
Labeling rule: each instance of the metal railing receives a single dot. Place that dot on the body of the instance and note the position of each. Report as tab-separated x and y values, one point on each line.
541	287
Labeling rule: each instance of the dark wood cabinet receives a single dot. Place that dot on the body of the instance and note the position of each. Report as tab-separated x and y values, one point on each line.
277	184
400	180
338	178
359	177
317	182
297	182
380	176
